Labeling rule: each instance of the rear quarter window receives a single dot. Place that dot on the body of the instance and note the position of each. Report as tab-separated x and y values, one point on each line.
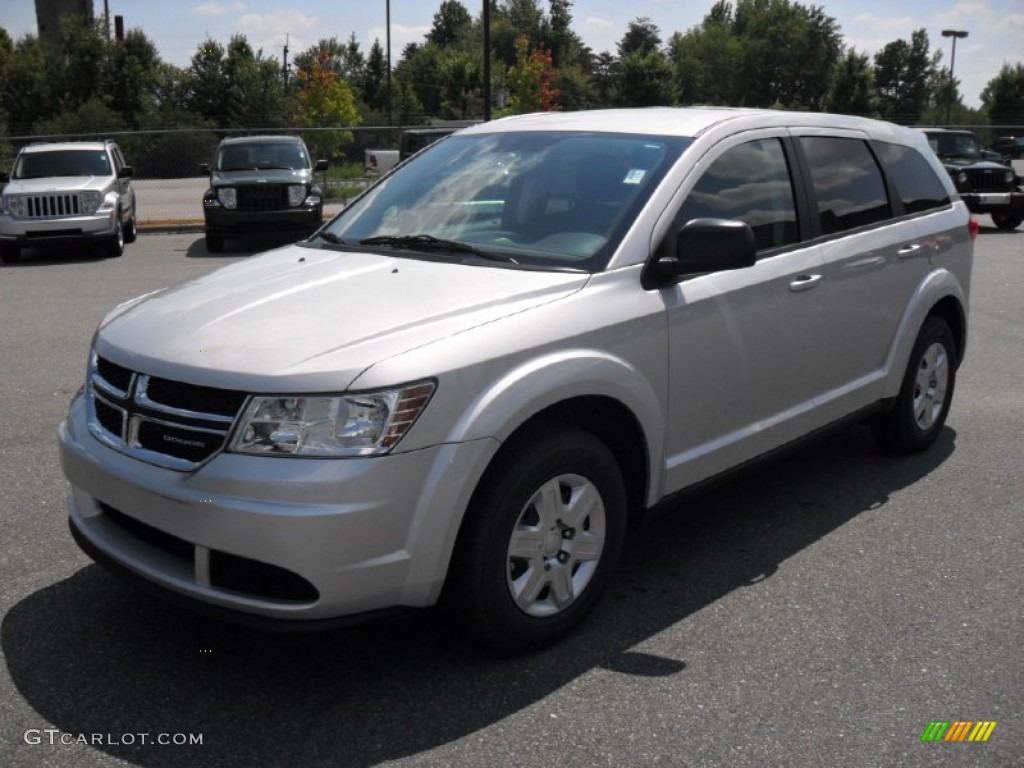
847	183
915	179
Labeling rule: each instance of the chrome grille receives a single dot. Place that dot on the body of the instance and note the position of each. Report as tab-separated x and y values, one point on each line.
168	423
53	205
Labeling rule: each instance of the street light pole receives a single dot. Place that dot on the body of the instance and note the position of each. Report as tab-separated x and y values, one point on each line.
954	33
387	35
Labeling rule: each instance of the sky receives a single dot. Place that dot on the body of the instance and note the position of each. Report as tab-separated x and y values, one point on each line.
995	27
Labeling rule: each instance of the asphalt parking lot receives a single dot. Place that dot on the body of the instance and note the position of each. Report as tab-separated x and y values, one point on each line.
819	610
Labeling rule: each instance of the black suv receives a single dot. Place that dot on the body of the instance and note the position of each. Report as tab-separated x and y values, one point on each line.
1009	146
261	184
985	185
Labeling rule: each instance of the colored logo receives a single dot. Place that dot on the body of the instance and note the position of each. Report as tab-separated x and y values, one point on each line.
958	730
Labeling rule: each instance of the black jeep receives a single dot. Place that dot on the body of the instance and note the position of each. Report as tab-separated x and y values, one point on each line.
261	184
985	185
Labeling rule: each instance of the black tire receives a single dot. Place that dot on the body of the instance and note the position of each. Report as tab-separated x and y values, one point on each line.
516	604
214	243
1007	219
10	254
920	409
131	232
115	246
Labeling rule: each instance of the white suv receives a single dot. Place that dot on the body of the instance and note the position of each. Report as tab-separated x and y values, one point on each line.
66	193
468	381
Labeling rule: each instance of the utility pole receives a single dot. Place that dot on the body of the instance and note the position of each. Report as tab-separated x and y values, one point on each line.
284	69
387	23
487	60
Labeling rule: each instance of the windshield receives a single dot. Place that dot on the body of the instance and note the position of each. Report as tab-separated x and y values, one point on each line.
62	162
259	155
954	144
541	199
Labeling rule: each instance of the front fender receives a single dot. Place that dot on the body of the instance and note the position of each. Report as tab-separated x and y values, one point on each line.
540	383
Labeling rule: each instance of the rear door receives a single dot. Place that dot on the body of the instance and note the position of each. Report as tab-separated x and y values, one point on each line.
743	344
874	259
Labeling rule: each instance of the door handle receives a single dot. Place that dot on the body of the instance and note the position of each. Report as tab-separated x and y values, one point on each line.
804	283
908	250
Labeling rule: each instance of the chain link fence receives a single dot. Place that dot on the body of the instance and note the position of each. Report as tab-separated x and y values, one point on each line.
175	153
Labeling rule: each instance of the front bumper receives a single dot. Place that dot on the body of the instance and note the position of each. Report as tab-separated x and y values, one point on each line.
276	539
29	233
221	221
987	202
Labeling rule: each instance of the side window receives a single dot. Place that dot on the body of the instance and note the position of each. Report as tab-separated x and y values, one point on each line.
848	184
919	187
751	183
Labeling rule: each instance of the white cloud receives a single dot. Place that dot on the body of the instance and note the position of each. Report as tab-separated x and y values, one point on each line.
597	24
885	23
276	22
401	36
218	9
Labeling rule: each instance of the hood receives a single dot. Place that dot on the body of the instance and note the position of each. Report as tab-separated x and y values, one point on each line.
965	162
262	176
302	319
56	184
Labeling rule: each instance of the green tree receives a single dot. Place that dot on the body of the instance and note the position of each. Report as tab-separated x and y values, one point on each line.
642	36
452	24
903	75
131	81
374	82
28	95
853	87
1003	96
324	100
645	79
206	96
531	81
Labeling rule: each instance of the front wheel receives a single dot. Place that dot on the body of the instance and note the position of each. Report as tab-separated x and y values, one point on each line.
10	254
921	407
214	243
131	232
542	537
1007	219
115	246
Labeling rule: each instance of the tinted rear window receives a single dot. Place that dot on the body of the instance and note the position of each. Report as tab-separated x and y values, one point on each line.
919	188
848	184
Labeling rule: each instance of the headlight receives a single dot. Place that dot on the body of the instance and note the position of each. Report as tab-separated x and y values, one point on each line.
16	205
1010	177
296	194
228	197
362	424
961	179
91	201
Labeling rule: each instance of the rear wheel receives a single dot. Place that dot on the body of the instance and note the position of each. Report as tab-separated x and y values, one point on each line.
541	539
920	409
1007	219
214	243
10	254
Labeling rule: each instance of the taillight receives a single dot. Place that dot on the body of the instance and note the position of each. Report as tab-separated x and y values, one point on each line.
973	227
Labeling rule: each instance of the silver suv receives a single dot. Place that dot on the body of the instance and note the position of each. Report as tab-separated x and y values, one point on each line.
67	193
466	383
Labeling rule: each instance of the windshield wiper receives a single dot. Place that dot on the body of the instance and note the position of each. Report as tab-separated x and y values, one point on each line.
431	243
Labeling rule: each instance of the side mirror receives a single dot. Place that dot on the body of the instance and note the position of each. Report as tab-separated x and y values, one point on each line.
126	173
703	245
4	177
204	168
321	165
